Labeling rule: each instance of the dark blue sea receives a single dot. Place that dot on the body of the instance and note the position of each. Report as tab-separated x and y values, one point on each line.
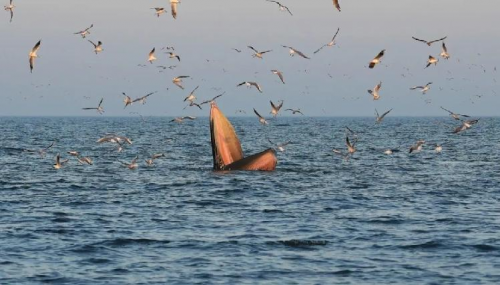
423	218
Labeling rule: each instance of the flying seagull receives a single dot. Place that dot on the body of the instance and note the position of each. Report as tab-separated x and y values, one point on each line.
191	96
429	43
142	99
261	119
375	90
178	81
211	100
281	6
155	156
280	75
455	115
249	84
275	109
132	165
42	152
431	60
465	126
258	54
99	108
173	55
444	52
33	55
281	146
293	52
424	88
336	4
85	32
417	146
159	11
380	118
127	100
152	57
173	7
330	44
376	60
181	119
351	148
97	47
10	8
297	111
59	163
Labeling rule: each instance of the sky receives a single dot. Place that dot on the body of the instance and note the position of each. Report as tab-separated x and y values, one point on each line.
68	75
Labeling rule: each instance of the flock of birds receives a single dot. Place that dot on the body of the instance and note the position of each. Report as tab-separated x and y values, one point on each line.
351	137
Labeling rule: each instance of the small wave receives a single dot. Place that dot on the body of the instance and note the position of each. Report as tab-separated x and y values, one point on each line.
485	247
301	243
132	241
426	245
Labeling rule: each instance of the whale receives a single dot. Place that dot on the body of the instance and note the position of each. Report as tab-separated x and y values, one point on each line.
226	147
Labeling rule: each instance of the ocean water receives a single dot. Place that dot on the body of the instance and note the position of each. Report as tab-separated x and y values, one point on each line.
423	218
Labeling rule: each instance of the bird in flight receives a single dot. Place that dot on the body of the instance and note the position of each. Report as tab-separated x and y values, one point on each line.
275	109
444	52
465	126
173	55
152	56
127	100
380	118
262	120
455	116
330	44
296	111
281	146
249	84
280	75
159	11
99	108
142	99
131	165
33	55
59	163
211	100
155	156
178	80
417	147
173	7
375	90
424	88
429	43
85	32
181	119
351	148
42	152
10	8
336	4
258	54
376	60
431	60
281	6
293	52
191	97
97	47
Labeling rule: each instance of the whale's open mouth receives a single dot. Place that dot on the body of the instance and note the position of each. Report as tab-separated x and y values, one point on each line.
226	147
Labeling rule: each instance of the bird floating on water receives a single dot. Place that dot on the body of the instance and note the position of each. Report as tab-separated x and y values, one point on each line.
417	146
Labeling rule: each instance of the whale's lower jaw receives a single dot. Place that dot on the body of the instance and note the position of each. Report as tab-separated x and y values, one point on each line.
262	161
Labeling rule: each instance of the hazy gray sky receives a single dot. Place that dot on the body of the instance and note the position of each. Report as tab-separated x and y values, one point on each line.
68	70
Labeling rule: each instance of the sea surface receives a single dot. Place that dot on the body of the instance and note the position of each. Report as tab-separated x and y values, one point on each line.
423	218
